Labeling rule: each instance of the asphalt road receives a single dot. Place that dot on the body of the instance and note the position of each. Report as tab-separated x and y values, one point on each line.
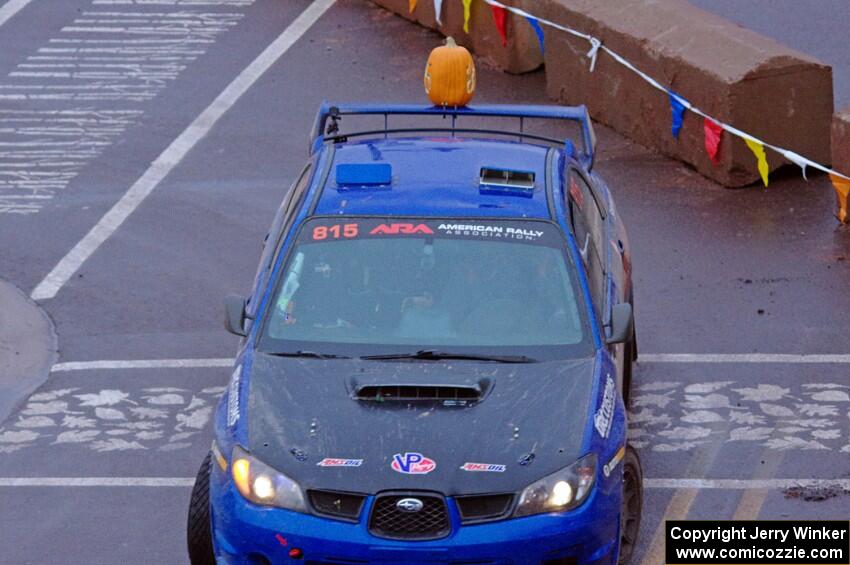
93	91
814	27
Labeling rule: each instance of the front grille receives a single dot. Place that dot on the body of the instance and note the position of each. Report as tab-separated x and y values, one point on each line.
337	504
481	508
388	521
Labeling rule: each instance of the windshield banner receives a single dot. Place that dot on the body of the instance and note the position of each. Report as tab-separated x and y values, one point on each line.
525	231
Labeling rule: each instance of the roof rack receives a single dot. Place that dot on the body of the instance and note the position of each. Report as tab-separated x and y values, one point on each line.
323	131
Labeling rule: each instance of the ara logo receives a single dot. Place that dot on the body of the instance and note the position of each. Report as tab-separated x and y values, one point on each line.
395	229
411	463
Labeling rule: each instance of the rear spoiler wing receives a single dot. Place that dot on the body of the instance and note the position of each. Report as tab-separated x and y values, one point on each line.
324	131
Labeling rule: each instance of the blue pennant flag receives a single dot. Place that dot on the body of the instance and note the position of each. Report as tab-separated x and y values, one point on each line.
678	110
538	30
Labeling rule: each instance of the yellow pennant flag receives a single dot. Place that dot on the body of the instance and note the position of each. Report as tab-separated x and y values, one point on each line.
412	6
466	6
842	190
758	150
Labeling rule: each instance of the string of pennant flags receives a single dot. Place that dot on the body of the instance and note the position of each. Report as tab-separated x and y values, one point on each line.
712	127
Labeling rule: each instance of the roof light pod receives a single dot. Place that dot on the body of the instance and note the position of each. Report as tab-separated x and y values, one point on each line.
363	175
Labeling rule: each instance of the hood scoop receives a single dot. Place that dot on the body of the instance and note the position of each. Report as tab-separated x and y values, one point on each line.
445	394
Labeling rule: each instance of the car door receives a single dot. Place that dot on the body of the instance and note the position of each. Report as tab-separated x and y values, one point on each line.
589	230
604	267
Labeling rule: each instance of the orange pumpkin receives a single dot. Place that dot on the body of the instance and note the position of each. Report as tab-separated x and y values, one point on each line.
450	75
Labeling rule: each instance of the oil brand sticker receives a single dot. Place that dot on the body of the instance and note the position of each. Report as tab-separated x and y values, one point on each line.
233	397
412	463
336	462
605	415
483	467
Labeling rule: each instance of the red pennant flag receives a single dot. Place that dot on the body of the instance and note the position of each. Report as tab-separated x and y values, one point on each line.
500	16
713	132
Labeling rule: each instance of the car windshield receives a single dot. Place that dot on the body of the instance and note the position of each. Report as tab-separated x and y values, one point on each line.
372	286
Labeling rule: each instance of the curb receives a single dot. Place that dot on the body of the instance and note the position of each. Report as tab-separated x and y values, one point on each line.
28	347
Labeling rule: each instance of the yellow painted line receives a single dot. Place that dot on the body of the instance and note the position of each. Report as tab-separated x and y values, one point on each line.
677	509
753	499
750	504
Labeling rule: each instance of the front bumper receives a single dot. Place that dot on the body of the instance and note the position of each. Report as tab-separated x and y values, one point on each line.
247	534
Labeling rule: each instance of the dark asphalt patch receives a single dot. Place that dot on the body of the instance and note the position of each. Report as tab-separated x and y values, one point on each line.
816	493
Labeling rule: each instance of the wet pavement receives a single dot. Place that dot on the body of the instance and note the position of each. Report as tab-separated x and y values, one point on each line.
816	28
717	271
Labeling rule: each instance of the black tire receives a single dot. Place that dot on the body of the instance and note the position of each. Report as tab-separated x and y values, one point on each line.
632	507
198	527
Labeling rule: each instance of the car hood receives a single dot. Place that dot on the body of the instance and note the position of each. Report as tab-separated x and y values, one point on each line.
529	418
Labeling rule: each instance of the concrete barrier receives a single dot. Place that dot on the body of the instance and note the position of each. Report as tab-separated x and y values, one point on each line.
841	141
520	55
736	75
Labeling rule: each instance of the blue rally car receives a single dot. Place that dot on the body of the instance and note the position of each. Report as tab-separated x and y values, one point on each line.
436	355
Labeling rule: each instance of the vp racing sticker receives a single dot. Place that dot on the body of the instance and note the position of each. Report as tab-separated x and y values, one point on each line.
412	463
605	414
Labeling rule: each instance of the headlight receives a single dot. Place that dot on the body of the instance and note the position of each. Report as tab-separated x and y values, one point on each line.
559	491
262	484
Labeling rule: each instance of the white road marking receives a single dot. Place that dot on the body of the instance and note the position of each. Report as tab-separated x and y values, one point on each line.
743	484
96	482
135	56
679	416
11	8
684	358
176	151
41	151
698	484
140	364
155	418
742	358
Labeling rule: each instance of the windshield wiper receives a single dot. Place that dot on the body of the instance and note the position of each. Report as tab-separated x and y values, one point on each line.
313	354
435	355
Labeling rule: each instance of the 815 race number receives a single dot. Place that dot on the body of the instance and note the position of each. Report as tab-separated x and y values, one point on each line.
335	231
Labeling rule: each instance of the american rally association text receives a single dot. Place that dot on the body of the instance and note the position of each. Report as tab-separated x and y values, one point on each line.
726	534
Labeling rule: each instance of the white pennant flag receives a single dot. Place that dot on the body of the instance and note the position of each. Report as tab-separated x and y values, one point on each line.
438	7
798	160
595	44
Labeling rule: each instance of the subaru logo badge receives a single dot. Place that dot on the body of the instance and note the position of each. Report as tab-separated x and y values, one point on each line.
409	505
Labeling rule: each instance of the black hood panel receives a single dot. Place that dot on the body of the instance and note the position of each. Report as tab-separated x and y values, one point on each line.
303	410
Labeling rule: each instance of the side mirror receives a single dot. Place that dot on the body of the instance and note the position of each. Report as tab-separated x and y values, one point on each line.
621	323
234	314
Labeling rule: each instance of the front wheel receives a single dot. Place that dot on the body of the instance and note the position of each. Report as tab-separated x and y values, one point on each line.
198	527
632	506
